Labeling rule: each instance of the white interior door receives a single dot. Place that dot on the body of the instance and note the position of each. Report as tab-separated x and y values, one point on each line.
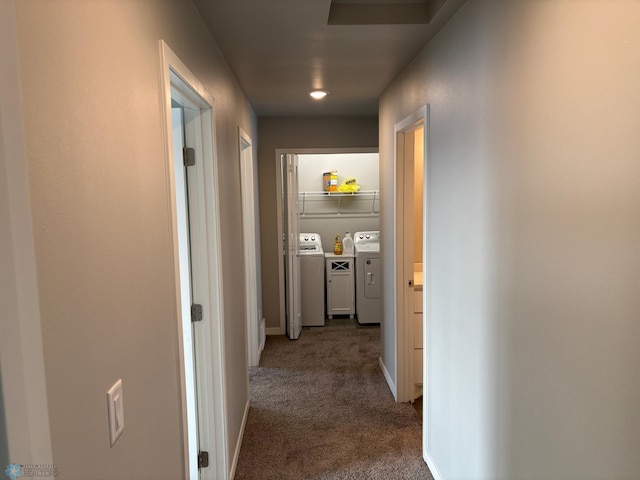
294	314
186	283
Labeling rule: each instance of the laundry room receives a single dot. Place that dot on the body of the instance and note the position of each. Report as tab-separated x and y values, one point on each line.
338	219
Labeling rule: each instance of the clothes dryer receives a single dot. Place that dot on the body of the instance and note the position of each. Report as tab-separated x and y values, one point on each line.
368	287
311	280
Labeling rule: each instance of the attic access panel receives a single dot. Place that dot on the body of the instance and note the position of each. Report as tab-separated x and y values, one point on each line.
383	12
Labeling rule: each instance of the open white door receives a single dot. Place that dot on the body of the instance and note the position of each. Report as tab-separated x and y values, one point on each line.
294	315
185	279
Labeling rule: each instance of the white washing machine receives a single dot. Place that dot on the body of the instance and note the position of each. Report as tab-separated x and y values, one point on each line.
311	280
368	287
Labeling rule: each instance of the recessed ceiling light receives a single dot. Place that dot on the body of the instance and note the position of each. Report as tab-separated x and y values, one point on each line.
318	94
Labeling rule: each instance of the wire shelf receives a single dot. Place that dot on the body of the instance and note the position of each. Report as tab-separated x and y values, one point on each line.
362	203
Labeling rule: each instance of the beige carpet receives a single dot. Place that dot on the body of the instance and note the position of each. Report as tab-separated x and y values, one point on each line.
321	409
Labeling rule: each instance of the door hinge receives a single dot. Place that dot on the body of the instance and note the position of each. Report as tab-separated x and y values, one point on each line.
203	459
189	156
196	312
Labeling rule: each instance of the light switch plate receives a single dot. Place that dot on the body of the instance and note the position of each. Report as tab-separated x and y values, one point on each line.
116	411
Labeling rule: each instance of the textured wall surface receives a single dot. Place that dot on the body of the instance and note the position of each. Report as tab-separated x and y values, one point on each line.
24	419
98	177
533	216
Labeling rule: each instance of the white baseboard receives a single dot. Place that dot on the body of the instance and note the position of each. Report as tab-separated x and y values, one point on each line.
236	453
387	377
432	465
274	331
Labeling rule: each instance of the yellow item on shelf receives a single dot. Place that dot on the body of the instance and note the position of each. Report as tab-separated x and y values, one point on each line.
349	186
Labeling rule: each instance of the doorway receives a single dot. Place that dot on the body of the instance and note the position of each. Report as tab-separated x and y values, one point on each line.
303	206
411	228
195	230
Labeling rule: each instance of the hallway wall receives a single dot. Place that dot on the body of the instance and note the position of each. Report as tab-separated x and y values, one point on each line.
534	221
295	133
24	418
99	191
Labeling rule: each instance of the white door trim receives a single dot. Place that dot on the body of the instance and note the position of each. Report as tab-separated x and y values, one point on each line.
426	300
177	80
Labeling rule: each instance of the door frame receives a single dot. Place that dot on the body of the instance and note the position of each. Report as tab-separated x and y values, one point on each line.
210	399
403	300
249	186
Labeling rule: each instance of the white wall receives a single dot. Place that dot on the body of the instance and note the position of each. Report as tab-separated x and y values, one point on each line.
328	228
533	265
99	190
355	211
361	166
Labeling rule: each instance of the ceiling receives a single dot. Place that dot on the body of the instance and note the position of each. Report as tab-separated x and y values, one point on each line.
279	50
